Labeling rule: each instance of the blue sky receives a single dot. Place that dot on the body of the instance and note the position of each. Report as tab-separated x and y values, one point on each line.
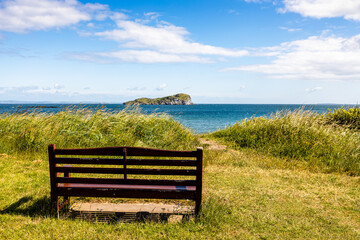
218	51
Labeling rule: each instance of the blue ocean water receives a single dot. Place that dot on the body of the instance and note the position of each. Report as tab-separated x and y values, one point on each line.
201	118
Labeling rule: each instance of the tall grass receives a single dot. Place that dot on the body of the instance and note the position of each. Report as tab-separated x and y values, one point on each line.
299	135
32	132
349	118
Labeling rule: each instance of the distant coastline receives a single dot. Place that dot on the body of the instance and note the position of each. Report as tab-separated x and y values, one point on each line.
201	118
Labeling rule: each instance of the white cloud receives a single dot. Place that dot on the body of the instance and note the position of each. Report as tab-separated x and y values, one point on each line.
137	56
140	42
22	89
147	56
321	58
161	87
58	86
161	43
135	89
349	9
314	89
25	15
164	38
32	89
291	29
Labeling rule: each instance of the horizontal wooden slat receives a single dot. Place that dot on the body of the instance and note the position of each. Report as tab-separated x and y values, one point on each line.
126	186
126	193
93	161
128	181
131	151
90	170
182	172
107	161
165	162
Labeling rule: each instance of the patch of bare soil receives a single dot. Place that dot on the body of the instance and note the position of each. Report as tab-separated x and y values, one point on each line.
212	145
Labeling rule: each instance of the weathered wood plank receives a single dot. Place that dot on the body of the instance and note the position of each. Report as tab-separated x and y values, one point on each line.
135	171
127	193
131	151
114	161
127	181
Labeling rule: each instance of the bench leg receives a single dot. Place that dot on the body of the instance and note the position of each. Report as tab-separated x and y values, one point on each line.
54	204
197	206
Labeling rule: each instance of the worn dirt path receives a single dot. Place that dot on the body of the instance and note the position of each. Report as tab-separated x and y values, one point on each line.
212	145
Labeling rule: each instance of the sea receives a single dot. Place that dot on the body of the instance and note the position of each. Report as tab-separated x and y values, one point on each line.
200	118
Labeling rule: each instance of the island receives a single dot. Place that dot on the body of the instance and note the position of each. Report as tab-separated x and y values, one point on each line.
177	99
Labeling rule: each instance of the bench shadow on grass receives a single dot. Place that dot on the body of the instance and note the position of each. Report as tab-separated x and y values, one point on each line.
38	207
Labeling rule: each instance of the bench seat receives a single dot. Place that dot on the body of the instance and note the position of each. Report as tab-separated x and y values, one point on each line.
126	186
104	172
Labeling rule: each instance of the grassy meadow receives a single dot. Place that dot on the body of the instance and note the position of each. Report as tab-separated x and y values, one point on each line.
294	175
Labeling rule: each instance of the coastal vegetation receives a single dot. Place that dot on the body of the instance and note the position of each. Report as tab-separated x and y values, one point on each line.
177	99
31	132
349	118
320	141
281	177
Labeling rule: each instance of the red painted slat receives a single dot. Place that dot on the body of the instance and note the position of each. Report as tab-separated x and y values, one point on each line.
112	161
180	172
127	181
126	186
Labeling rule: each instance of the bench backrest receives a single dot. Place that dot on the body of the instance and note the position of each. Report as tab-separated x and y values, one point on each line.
129	165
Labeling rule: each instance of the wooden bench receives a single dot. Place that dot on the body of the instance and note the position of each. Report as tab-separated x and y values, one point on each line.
127	176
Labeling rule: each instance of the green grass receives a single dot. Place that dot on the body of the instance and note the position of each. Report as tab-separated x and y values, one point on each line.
32	132
300	135
248	194
349	118
250	201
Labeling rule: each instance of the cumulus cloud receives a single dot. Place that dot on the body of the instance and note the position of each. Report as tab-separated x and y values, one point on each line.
146	40
163	42
165	38
317	57
25	15
348	9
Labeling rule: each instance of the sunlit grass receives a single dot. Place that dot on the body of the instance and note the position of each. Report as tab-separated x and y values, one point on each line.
239	202
300	135
254	192
32	132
